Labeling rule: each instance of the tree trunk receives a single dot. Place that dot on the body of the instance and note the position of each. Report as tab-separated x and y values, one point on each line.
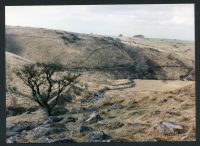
48	110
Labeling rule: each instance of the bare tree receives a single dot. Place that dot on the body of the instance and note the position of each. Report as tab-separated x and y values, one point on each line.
46	81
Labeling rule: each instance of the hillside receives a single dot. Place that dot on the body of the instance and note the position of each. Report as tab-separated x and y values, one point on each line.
130	89
117	57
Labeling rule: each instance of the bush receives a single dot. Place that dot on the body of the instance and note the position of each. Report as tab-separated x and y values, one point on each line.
47	81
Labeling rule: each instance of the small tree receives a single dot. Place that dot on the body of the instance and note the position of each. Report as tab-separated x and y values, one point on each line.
46	81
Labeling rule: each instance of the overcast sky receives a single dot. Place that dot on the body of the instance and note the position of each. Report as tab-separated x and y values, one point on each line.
174	21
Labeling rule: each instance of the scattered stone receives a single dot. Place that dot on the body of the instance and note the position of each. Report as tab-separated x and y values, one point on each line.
153	139
96	136
9	133
97	95
138	125
83	117
119	140
92	109
114	107
82	109
108	140
83	128
74	110
46	130
83	100
13	111
131	104
69	119
115	125
18	138
19	127
12	139
94	117
174	113
154	113
59	110
167	127
28	112
53	119
88	109
61	140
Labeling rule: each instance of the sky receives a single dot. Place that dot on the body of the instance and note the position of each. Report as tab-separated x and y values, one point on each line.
172	21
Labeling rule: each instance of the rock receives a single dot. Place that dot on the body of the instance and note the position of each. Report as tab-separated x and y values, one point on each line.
53	119
28	112
9	133
83	128
119	140
115	125
114	107
96	136
46	130
108	140
59	110
97	95
131	104
174	113
19	127
89	109
13	111
155	113
94	117
74	110
12	139
61	140
82	109
138	125
45	139
167	127
84	117
19	138
83	100
92	109
69	119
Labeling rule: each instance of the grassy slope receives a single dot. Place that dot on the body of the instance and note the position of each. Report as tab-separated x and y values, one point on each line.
152	99
169	58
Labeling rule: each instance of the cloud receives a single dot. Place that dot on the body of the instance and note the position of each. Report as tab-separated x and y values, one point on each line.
166	20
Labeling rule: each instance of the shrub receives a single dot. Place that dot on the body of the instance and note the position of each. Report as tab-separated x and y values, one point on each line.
46	81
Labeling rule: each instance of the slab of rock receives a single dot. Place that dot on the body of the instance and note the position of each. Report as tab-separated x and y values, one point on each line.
153	139
61	140
69	119
97	95
9	133
74	110
114	107
115	125
53	119
94	117
167	127
18	138
96	136
83	128
46	130
19	127
46	139
174	113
